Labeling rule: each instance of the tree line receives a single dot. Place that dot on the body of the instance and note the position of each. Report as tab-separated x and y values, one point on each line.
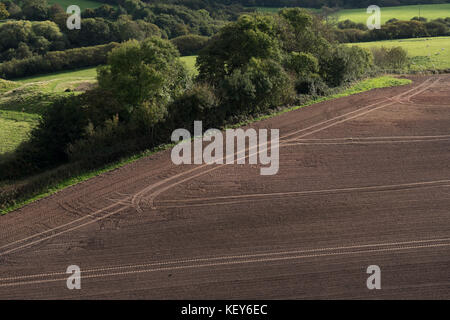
54	61
130	19
348	31
321	3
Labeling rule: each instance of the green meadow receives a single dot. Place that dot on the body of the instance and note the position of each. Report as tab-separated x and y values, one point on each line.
426	53
83	4
429	11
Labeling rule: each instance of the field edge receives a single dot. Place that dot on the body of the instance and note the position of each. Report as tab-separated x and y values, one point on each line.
365	85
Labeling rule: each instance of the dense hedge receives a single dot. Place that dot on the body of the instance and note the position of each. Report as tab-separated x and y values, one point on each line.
56	61
348	31
190	45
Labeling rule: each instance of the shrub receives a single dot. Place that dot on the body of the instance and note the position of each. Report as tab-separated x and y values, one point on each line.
190	44
62	123
303	64
345	64
145	72
197	103
263	84
390	58
55	61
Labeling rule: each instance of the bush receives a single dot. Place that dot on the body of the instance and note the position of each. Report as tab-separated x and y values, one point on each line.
312	85
144	72
190	45
261	85
62	123
303	64
346	64
390	58
56	60
198	103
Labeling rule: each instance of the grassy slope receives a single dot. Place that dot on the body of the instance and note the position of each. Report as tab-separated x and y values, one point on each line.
430	11
83	4
380	82
190	63
427	53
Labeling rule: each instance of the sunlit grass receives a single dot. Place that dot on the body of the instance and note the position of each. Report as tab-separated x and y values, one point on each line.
426	53
429	11
83	4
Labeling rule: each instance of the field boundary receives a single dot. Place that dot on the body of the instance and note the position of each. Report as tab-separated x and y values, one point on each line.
355	88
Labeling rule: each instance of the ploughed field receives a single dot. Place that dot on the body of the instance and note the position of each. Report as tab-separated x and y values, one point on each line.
363	180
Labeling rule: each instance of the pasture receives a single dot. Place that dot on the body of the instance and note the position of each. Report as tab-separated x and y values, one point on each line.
430	11
83	4
426	53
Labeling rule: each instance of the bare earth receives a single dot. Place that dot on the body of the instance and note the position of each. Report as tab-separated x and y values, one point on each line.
363	180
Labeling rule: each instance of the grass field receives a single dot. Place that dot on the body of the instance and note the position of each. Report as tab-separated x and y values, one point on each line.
83	4
190	63
430	11
426	53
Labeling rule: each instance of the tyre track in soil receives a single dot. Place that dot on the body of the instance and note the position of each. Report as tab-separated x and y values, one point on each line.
134	201
137	197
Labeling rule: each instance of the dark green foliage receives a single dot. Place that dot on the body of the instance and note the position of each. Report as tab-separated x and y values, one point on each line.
259	86
56	61
394	29
345	64
3	12
197	103
235	45
303	64
61	124
190	45
390	58
31	37
146	73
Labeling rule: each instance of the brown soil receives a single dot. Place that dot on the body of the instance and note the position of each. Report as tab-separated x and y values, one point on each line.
363	180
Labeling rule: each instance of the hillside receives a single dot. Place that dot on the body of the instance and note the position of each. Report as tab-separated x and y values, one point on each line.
83	4
430	12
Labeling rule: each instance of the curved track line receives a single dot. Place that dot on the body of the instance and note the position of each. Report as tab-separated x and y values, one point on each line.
299	143
152	197
89	215
375	138
64	231
241	256
235	262
250	197
137	197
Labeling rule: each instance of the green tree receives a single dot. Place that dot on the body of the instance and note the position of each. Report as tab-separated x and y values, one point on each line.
144	75
236	44
3	12
35	9
261	85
